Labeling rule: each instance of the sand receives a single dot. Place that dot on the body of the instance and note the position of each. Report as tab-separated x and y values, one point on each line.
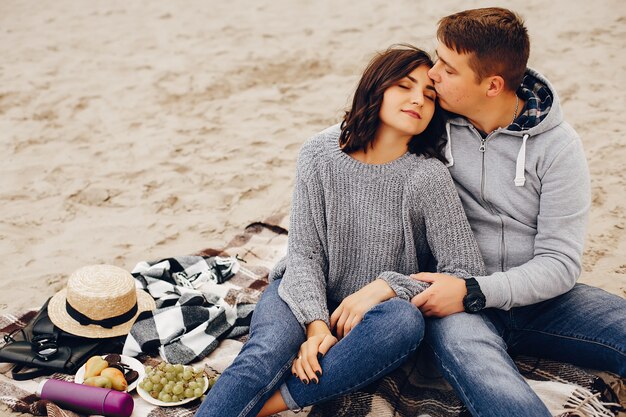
147	129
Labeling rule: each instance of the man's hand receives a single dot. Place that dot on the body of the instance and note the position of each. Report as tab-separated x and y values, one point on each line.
443	297
352	309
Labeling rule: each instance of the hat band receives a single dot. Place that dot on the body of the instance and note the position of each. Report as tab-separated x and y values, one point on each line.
106	323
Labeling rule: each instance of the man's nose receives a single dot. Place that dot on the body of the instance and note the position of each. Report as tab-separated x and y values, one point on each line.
433	73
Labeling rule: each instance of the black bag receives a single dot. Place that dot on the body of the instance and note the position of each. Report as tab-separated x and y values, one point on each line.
47	349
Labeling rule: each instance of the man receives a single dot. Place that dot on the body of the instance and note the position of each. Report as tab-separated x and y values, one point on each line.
522	176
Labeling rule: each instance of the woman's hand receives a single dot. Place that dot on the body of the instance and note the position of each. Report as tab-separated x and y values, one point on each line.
306	366
352	309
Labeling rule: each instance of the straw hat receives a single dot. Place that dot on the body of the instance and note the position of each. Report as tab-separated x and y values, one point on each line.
101	297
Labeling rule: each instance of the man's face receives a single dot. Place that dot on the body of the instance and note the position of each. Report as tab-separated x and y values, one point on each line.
455	82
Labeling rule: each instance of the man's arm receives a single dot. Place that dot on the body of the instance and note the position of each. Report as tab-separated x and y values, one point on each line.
564	204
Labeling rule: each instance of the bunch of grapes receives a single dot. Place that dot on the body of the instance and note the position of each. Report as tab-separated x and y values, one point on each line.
172	383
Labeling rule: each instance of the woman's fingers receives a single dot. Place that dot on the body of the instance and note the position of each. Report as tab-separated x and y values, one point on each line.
341	322
335	316
328	342
352	321
297	364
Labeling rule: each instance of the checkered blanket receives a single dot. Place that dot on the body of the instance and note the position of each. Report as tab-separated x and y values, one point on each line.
196	307
413	390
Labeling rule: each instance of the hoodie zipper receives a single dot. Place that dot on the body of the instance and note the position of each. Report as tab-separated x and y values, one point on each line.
482	149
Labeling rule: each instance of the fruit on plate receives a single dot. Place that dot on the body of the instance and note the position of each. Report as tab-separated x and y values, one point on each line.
116	377
98	381
94	366
110	372
169	382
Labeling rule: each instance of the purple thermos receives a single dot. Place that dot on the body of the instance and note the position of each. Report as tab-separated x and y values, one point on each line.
86	399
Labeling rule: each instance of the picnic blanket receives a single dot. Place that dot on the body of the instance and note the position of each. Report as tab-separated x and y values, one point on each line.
415	389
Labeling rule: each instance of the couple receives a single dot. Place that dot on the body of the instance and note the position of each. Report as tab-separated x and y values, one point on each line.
375	203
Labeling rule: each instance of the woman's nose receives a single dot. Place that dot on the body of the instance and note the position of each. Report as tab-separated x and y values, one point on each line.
418	98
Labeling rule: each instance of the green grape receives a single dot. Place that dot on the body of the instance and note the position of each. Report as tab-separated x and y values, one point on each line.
167	389
169	367
167	398
193	385
170	375
147	385
157	387
140	385
155	379
178	389
178	367
189	393
187	375
163	381
161	366
160	374
148	369
175	398
197	392
200	381
161	394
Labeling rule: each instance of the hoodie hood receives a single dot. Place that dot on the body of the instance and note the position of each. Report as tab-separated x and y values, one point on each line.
541	112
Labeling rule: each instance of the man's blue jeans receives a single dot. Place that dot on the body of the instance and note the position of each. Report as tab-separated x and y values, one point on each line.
585	326
384	339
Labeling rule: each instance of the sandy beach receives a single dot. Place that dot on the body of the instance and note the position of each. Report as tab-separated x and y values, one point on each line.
146	129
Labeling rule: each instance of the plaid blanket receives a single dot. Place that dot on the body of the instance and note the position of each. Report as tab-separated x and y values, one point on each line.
196	307
413	390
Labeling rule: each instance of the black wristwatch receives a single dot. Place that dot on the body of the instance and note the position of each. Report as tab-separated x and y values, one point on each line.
474	301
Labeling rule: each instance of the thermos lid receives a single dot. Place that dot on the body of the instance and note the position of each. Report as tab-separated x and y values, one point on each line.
40	387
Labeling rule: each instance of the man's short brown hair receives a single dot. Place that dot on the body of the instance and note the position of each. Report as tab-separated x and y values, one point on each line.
495	38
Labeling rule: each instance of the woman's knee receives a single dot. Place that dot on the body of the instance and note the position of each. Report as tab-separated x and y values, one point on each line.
404	323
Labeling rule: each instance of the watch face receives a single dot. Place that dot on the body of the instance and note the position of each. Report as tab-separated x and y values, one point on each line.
473	303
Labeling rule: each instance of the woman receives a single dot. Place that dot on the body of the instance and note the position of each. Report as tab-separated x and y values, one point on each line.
373	203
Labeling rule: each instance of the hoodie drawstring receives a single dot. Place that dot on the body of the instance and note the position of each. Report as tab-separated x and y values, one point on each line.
520	178
448	148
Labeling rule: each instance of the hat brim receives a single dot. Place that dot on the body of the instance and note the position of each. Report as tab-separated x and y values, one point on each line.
60	318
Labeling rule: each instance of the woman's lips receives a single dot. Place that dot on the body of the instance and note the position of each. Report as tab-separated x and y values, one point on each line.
413	114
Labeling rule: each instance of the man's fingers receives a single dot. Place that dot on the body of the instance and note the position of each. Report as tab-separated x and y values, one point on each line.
424	276
420	299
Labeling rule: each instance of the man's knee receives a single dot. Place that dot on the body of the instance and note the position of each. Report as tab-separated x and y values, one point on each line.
463	332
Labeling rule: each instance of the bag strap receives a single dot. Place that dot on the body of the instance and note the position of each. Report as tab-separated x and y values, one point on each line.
18	375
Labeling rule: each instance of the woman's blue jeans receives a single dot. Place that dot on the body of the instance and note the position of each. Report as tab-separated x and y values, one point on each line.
386	336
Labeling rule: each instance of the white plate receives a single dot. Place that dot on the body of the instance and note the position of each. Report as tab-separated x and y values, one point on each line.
133	363
146	396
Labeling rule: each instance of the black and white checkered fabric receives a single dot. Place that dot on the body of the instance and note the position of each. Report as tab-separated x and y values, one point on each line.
195	307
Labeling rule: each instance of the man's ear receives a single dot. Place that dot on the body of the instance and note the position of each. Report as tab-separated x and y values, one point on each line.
495	85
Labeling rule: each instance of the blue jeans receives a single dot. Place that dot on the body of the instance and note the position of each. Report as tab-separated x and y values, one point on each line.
585	326
386	336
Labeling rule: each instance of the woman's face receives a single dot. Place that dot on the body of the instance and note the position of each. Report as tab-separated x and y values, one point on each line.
409	104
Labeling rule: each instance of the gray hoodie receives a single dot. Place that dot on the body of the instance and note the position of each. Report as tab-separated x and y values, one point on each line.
526	194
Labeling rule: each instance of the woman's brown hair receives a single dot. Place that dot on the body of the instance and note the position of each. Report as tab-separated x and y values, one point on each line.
360	123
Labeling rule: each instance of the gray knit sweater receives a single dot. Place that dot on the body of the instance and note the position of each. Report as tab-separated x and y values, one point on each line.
352	223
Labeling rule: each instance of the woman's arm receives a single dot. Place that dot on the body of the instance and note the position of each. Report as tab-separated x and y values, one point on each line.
448	233
303	286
